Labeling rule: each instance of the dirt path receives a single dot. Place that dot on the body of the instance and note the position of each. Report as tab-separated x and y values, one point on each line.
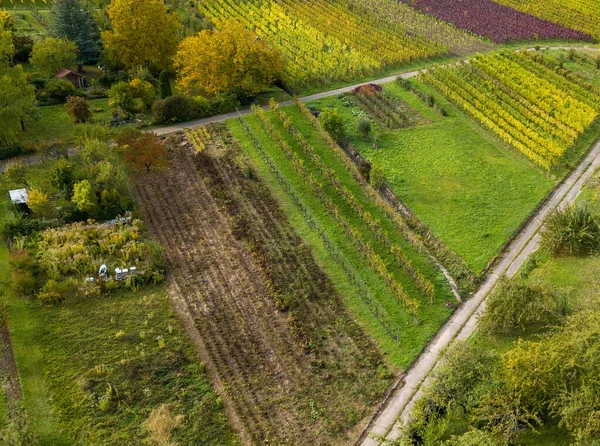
464	321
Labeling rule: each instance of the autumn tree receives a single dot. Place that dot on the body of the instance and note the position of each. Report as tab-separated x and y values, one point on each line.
144	33
78	109
217	61
52	54
145	152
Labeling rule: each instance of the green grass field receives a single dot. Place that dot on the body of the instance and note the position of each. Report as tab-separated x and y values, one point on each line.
51	123
468	188
413	334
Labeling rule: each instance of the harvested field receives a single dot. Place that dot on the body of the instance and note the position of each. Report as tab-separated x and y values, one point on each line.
290	364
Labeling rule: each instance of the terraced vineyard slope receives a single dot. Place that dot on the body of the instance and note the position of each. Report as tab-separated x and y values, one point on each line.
525	99
288	361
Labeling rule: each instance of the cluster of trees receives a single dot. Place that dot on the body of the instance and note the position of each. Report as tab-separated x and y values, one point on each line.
94	185
215	71
483	396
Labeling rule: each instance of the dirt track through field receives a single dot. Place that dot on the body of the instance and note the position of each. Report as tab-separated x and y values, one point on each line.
272	390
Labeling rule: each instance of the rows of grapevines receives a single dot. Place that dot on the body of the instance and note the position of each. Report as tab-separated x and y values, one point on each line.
199	137
341	191
380	314
325	40
582	15
364	246
539	109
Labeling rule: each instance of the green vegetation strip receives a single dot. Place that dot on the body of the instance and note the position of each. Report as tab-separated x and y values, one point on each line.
413	334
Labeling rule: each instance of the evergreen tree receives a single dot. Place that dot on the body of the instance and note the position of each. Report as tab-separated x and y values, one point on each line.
164	85
70	19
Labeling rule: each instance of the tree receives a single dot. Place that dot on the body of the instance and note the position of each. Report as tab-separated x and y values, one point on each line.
52	54
233	57
70	19
84	197
17	95
78	109
143	33
121	97
145	152
6	39
164	85
16	172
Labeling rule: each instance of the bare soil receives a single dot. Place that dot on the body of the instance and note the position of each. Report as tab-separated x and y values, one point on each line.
288	361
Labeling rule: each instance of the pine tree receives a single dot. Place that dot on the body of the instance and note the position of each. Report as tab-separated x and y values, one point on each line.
70	19
164	85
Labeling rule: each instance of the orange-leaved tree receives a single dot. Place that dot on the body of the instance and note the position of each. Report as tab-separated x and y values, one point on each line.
217	61
144	152
144	33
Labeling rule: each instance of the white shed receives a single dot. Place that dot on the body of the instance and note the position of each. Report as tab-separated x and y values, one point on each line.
18	196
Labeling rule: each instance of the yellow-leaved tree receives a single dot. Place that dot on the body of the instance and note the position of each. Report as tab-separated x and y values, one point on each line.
144	33
217	61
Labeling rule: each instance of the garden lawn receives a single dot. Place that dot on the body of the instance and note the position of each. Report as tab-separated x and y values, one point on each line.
51	122
414	333
472	191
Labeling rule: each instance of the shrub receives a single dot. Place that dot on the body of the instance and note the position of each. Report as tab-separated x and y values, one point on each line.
39	202
334	124
62	176
121	99
78	109
597	61
85	198
516	305
60	89
224	103
54	292
143	90
107	79
16	172
573	231
363	125
377	177
22	267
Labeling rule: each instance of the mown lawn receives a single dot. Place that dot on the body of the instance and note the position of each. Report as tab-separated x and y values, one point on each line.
467	187
52	123
414	333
